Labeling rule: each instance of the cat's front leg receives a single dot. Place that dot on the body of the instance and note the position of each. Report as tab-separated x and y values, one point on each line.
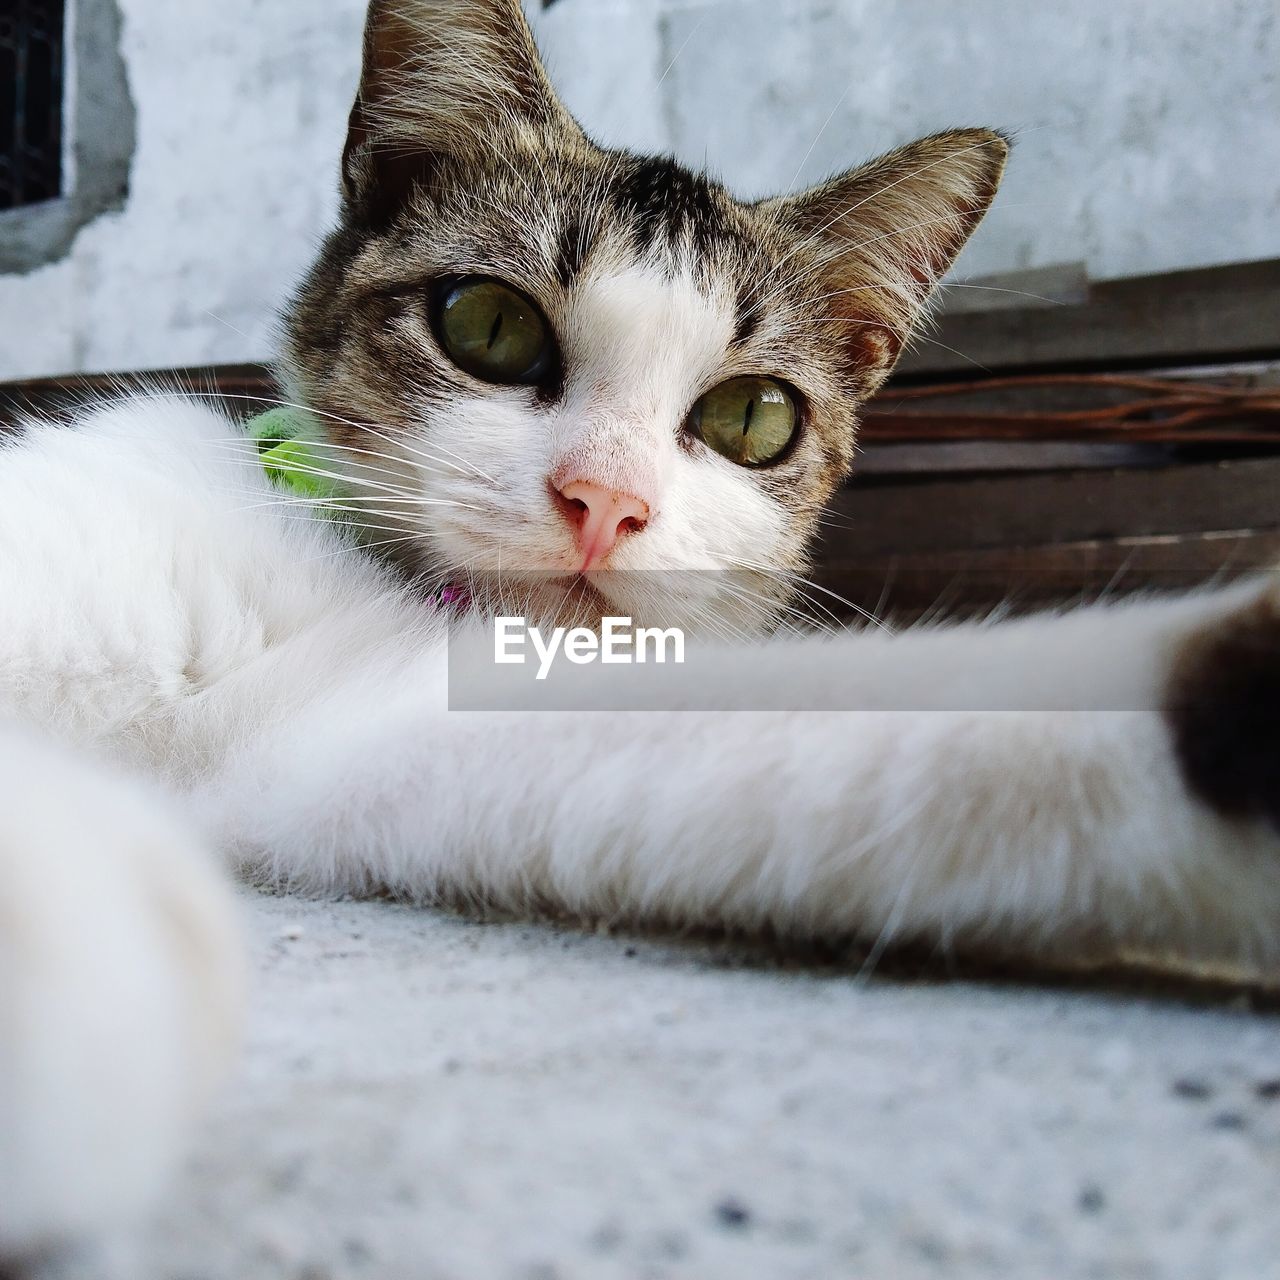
1053	784
120	976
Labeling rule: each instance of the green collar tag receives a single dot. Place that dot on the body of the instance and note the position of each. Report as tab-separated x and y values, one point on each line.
283	437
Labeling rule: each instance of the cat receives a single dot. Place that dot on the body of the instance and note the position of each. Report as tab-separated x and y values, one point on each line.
527	356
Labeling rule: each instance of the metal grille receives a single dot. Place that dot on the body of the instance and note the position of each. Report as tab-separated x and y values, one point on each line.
31	33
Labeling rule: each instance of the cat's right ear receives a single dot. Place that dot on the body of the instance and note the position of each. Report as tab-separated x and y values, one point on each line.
441	77
884	234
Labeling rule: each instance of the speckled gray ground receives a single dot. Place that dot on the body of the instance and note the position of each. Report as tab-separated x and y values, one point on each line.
429	1097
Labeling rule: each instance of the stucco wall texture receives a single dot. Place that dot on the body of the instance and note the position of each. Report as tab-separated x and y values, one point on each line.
1148	139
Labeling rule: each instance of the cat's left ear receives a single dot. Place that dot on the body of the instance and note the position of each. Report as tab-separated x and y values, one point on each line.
881	236
441	77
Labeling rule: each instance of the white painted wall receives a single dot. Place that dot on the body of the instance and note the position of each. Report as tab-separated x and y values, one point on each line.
1149	139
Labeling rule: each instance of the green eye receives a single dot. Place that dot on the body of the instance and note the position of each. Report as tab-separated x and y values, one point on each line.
748	420
494	333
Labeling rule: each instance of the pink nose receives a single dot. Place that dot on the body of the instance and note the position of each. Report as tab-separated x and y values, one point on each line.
599	517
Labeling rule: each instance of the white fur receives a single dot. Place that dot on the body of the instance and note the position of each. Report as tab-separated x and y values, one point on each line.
119	991
164	607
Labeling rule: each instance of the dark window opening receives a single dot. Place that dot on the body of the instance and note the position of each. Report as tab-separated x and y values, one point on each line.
31	36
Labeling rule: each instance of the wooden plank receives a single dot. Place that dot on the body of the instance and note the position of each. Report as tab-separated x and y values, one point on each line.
1019	290
59	395
931	457
903	587
1034	510
1230	312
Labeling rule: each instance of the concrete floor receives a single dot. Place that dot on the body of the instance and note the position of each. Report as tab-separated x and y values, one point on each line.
424	1096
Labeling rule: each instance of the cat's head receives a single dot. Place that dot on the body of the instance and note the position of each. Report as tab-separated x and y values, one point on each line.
535	356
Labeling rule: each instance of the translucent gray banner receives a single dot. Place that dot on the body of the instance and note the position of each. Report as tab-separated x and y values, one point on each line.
739	642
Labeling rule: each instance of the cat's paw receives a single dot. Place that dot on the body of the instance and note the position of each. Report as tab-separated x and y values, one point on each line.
1223	705
119	996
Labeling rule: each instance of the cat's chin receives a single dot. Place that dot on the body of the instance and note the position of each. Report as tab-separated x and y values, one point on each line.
542	598
693	602
736	602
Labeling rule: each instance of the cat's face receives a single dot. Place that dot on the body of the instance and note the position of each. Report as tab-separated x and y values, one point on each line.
545	364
